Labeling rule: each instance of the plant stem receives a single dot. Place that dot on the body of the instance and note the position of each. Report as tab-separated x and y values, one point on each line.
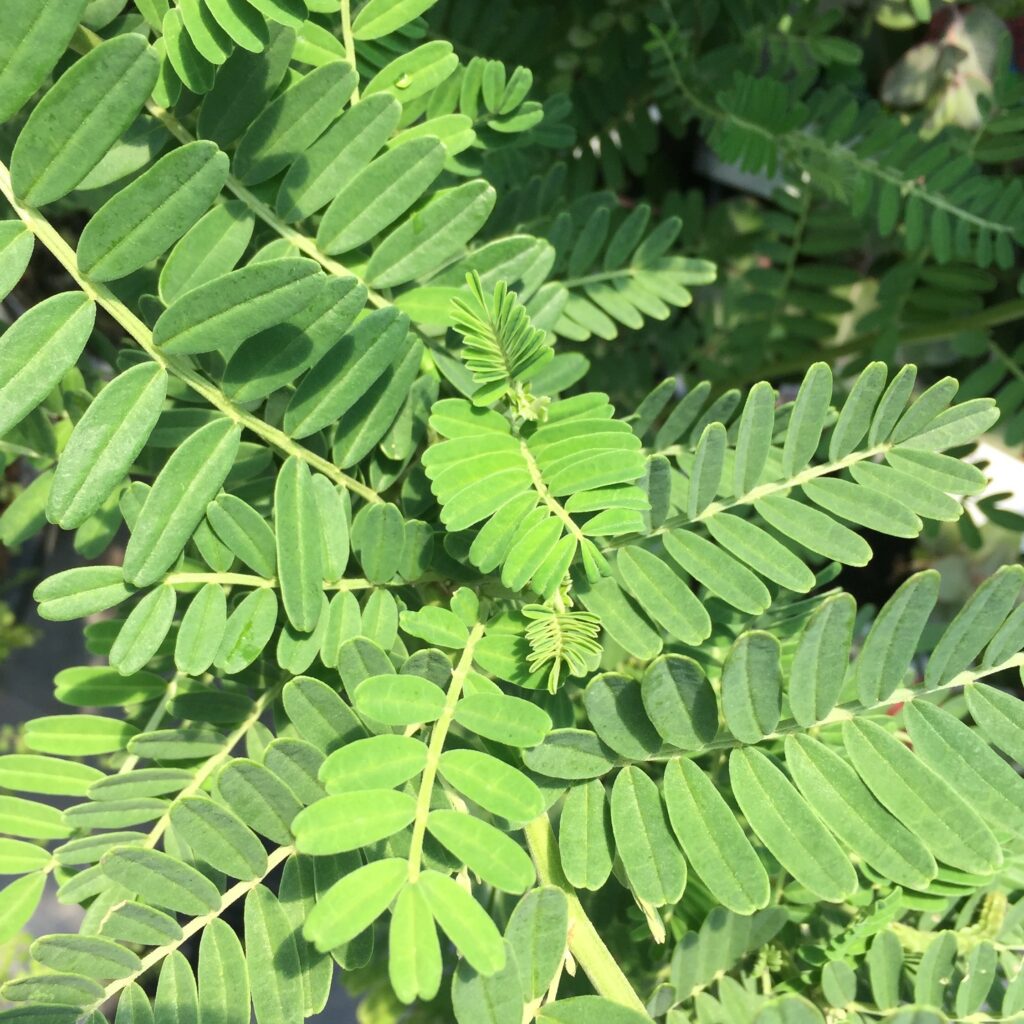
241	579
350	45
437	737
143	337
584	942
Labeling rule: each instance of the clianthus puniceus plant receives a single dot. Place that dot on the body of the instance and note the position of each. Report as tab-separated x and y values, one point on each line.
426	670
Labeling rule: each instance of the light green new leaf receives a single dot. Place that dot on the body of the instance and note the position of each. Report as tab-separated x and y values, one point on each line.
464	921
822	656
81	117
38	349
493	784
347	821
219	837
142	221
752	686
30	820
37	33
221	313
839	798
432	236
585	836
931	809
77	735
162	880
177	501
223	978
485	850
201	630
414	960
437	626
785	824
18	857
380	193
292	122
143	631
399	699
297	529
651	858
355	902
712	840
272	959
105	443
18	902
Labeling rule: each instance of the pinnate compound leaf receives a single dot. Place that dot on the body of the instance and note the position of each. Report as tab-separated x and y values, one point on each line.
105	443
38	349
81	117
177	501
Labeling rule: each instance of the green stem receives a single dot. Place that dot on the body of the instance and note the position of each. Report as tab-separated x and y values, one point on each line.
584	942
242	579
437	737
143	337
350	44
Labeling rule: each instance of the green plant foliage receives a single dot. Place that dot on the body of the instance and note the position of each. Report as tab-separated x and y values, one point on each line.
445	659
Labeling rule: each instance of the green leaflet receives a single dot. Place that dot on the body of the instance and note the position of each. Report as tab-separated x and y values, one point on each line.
143	631
822	656
348	821
247	631
57	989
241	22
133	1007
272	959
859	505
712	840
259	798
437	626
225	311
380	17
663	595
651	859
223	977
18	857
30	820
90	955
175	505
582	1009
855	417
105	443
814	529
807	420
245	532
77	735
292	122
206	34
756	547
162	880
838	797
753	442
377	535
504	719
958	755
752	686
707	469
18	902
931	809
464	921
219	837
486	851
374	762
344	374
537	932
680	701
494	785
585	842
718	571
320	173
176	997
570	754
785	824
75	593
16	245
39	33
142	221
1000	718
297	529
381	192
81	117
31	773
319	714
201	631
414	963
616	711
354	903
297	763
40	347
399	699
210	248
892	640
285	12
